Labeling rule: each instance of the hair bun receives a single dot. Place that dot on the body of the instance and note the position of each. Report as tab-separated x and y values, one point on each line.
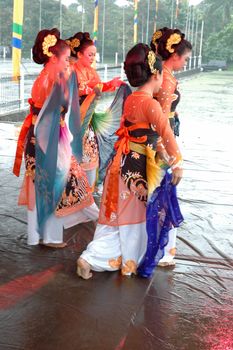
136	74
160	46
55	32
86	36
37	51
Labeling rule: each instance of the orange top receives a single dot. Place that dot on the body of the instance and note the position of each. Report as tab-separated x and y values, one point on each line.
143	112
141	107
166	94
87	77
42	87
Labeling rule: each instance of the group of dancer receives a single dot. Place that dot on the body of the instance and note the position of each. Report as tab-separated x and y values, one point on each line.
131	148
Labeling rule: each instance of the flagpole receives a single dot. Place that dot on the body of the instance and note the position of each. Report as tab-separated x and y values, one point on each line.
61	18
187	21
40	13
83	16
123	34
201	44
103	33
156	14
142	29
148	20
193	20
96	19
195	45
17	37
177	12
172	14
135	37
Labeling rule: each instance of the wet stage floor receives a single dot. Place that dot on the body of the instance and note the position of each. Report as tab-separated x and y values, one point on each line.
45	306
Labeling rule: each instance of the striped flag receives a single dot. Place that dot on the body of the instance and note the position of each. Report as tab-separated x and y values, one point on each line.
96	20
17	37
135	36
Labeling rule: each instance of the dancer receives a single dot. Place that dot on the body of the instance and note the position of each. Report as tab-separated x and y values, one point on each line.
175	51
55	188
83	53
120	240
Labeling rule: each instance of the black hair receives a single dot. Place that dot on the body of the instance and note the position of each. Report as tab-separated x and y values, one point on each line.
136	65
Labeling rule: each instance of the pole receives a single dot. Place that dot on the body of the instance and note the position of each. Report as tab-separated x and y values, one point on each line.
96	20
172	14
201	44
40	13
83	16
195	44
17	37
177	12
135	37
61	18
192	35
147	21
123	34
186	23
156	14
193	19
142	29
189	24
103	35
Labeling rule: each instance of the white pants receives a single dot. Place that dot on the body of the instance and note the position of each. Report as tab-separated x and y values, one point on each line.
117	247
170	249
53	231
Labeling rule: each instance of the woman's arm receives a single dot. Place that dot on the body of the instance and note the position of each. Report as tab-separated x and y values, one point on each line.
161	124
166	95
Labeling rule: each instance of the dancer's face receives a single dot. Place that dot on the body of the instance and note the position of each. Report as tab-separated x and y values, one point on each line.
179	62
62	61
88	55
157	80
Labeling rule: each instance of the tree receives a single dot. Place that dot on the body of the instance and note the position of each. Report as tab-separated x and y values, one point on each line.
219	45
216	14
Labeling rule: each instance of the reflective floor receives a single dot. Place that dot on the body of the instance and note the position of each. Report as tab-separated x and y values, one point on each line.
45	306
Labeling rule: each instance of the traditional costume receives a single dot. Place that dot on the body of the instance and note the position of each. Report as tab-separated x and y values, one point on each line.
136	213
55	188
169	97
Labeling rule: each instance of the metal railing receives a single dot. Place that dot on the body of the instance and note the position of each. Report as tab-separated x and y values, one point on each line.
14	94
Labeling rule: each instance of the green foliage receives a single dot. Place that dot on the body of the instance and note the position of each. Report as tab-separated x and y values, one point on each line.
217	15
218	33
220	45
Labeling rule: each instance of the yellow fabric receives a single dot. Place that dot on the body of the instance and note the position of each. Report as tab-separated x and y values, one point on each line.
16	52
153	171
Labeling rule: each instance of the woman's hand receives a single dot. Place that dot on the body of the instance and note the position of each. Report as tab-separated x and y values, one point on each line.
163	155
177	174
97	91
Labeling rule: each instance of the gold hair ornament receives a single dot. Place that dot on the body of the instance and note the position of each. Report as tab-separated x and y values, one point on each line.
172	40
151	58
157	35
74	43
49	41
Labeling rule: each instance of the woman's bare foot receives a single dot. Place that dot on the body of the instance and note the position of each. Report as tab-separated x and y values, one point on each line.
171	263
83	269
54	245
